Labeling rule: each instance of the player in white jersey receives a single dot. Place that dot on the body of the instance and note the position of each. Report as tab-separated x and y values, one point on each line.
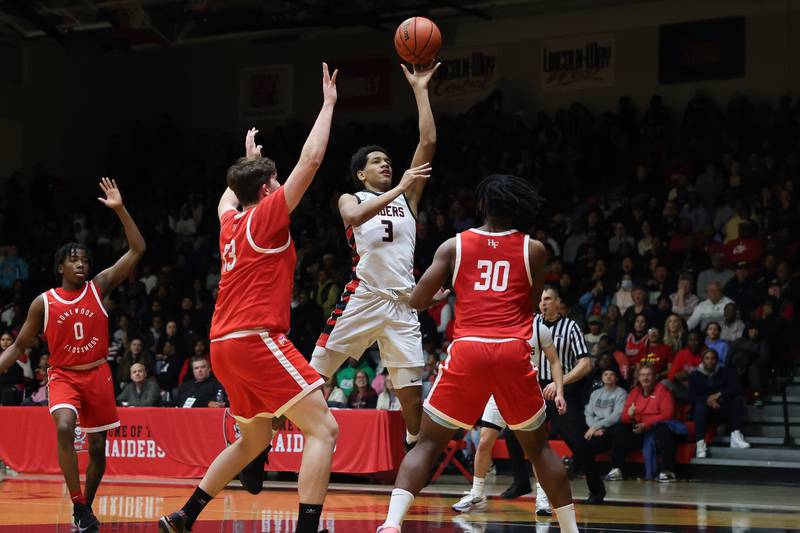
380	223
492	423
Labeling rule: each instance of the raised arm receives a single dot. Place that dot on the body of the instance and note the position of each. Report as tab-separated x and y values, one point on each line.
314	149
430	284
31	328
355	213
229	201
419	80
116	274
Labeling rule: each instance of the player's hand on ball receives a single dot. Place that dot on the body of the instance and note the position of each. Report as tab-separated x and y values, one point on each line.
421	75
113	197
412	175
549	392
561	405
329	84
252	150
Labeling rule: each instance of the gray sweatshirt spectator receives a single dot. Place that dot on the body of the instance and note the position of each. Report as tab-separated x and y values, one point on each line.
140	392
605	405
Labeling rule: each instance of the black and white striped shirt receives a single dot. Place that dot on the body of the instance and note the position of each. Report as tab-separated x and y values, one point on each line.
569	341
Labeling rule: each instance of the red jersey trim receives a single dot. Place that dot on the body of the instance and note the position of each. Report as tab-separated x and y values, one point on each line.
70	302
258	248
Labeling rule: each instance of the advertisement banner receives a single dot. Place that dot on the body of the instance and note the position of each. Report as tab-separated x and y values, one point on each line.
583	62
265	92
364	83
467	75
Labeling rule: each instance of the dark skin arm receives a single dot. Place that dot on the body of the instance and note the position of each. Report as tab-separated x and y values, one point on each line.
31	328
430	284
111	277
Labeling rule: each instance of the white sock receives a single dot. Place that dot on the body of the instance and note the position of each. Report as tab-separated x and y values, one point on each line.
566	518
398	507
477	487
411	439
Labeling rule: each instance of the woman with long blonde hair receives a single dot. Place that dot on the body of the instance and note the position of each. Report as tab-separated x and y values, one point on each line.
675	332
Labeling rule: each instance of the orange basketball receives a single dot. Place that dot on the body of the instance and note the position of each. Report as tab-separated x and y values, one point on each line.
417	40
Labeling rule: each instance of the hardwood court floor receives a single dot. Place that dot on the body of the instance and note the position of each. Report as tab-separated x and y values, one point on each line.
39	504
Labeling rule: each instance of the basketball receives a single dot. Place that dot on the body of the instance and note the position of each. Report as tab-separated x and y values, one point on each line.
417	40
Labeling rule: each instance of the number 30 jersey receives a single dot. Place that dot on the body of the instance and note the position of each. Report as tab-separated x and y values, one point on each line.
75	326
383	247
492	280
258	259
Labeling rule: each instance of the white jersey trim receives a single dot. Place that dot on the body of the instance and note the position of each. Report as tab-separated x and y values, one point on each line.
240	333
97	297
258	248
46	310
102	428
458	258
492	234
486	339
58	406
527	258
287	365
70	302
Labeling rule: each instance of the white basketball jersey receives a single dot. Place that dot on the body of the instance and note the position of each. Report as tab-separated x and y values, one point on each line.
542	338
384	246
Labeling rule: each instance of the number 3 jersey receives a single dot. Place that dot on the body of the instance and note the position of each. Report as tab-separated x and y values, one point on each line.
492	280
257	276
383	247
75	326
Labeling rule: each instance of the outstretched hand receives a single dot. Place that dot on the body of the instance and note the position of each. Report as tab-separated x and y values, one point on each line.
420	75
440	295
252	150
113	197
329	84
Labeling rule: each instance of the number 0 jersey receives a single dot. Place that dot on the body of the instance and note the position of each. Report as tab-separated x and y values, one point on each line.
492	280
383	246
258	259
75	326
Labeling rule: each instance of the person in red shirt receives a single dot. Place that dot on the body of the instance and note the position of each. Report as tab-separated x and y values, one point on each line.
657	355
498	275
648	405
75	324
685	361
250	323
636	343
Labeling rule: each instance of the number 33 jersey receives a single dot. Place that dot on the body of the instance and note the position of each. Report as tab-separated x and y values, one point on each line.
75	326
492	280
257	275
383	246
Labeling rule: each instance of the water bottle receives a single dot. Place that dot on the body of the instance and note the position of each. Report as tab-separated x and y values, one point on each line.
220	397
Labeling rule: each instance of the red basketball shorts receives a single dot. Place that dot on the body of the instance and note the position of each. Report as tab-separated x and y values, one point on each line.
476	369
263	373
90	393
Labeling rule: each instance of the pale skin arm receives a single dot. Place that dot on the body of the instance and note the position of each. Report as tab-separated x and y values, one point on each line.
558	379
354	213
32	326
252	151
111	277
419	79
317	142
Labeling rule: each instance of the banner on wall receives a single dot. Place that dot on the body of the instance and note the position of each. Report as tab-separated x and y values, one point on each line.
364	84
467	75
265	92
583	62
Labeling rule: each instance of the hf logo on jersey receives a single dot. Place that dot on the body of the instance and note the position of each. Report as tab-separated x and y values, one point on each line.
493	243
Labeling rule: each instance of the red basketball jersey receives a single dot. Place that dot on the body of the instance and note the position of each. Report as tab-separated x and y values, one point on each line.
75	326
492	281
258	259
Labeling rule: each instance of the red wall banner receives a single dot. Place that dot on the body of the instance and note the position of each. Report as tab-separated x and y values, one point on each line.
181	443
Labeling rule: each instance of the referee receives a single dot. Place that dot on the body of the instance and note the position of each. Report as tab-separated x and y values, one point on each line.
571	347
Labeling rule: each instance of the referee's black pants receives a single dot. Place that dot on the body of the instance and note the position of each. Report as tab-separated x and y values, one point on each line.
571	426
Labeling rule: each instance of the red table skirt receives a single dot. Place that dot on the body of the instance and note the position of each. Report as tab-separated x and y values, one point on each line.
181	443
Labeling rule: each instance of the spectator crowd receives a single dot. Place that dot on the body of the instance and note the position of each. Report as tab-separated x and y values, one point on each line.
673	241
